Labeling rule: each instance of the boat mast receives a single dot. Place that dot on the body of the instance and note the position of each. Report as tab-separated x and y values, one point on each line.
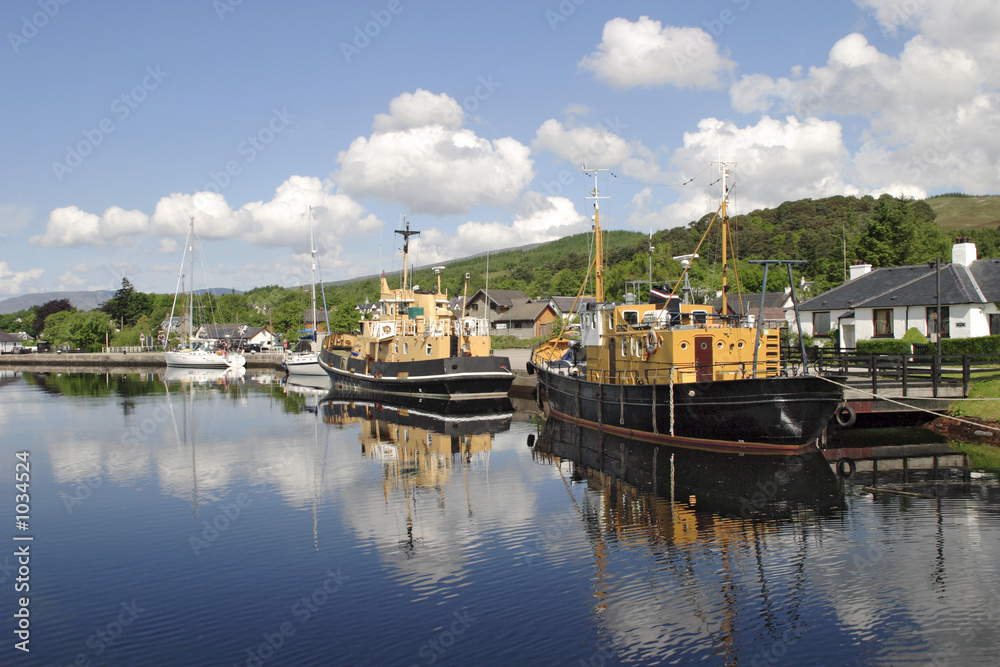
312	253
599	241
191	308
406	234
723	211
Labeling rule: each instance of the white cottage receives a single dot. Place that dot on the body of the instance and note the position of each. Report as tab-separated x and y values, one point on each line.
887	302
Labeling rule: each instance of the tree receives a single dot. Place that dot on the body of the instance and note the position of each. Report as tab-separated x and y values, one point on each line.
127	305
899	234
45	310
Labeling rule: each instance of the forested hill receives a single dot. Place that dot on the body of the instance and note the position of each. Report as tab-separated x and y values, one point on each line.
883	232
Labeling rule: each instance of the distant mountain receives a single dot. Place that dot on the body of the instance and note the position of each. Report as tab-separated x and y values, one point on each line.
80	300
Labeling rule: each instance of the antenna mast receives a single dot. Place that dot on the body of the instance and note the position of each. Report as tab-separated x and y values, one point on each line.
406	234
599	241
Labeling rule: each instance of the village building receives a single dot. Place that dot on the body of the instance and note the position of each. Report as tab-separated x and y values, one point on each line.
887	302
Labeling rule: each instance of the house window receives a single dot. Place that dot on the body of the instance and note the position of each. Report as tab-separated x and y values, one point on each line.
821	323
945	321
883	322
995	325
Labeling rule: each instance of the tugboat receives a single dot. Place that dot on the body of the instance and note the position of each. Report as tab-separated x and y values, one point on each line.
416	347
684	375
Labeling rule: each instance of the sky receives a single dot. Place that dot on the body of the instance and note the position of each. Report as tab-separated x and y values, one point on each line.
471	121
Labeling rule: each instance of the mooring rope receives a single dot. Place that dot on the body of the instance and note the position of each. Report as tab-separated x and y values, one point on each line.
914	407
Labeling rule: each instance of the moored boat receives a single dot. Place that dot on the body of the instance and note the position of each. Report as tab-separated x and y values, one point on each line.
304	358
682	374
417	347
196	352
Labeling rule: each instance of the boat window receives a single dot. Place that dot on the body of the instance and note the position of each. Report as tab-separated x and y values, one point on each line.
406	348
631	317
740	345
684	345
430	349
699	316
624	349
719	345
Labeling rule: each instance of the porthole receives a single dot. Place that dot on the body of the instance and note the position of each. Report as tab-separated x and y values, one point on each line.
740	345
719	345
684	346
704	346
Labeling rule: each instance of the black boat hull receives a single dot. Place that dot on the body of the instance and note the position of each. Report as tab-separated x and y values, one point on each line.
726	483
780	415
454	378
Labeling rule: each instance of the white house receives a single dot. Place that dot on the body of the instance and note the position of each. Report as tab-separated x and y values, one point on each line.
887	302
10	343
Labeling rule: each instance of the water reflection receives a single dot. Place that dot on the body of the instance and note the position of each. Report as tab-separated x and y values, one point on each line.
727	484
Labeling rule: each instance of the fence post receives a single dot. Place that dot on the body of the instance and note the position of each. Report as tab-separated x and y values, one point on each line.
905	359
935	365
966	372
873	369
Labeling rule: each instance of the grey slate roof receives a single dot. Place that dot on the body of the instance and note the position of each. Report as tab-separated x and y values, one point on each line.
914	286
749	302
9	337
564	303
527	311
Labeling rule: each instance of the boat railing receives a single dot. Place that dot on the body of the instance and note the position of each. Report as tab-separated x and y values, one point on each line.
470	326
666	321
678	373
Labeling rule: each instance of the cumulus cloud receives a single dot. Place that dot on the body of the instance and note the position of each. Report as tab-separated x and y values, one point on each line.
597	145
933	111
281	221
806	157
542	219
420	156
17	282
647	53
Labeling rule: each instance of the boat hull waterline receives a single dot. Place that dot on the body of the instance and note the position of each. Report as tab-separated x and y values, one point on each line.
767	416
454	378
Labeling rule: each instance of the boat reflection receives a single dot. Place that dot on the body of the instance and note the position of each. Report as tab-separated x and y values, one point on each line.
726	484
173	374
419	445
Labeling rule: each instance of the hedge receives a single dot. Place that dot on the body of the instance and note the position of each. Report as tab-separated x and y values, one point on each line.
980	345
883	346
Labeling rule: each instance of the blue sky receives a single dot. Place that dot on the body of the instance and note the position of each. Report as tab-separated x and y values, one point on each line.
123	120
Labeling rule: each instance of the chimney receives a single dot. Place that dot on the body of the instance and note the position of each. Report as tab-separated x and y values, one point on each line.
964	251
859	269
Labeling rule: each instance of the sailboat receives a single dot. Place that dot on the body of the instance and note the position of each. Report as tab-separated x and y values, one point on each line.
196	352
306	361
417	347
676	374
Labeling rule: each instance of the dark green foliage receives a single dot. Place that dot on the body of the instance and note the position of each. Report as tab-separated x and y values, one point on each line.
883	346
901	232
979	345
46	309
127	305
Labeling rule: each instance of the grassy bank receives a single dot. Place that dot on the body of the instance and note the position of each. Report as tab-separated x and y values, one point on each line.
986	408
983	457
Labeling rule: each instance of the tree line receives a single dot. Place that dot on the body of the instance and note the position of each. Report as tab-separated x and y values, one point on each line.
827	233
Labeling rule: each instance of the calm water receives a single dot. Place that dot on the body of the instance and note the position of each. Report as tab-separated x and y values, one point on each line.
233	522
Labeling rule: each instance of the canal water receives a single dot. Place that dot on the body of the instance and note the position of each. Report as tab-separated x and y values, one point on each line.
217	520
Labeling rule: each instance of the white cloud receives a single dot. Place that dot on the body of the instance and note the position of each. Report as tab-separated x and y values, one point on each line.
647	53
597	146
281	222
17	282
543	219
933	112
420	109
419	156
776	161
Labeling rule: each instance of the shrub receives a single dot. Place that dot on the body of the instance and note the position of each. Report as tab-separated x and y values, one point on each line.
978	345
883	346
914	337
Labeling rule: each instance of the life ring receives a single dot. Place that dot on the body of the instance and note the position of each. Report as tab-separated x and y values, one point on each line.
845	416
386	329
652	343
378	376
846	467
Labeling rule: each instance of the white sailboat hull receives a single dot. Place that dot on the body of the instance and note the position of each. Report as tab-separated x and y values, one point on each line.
203	359
304	363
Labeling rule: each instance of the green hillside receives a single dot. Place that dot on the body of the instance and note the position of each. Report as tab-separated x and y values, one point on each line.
964	212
